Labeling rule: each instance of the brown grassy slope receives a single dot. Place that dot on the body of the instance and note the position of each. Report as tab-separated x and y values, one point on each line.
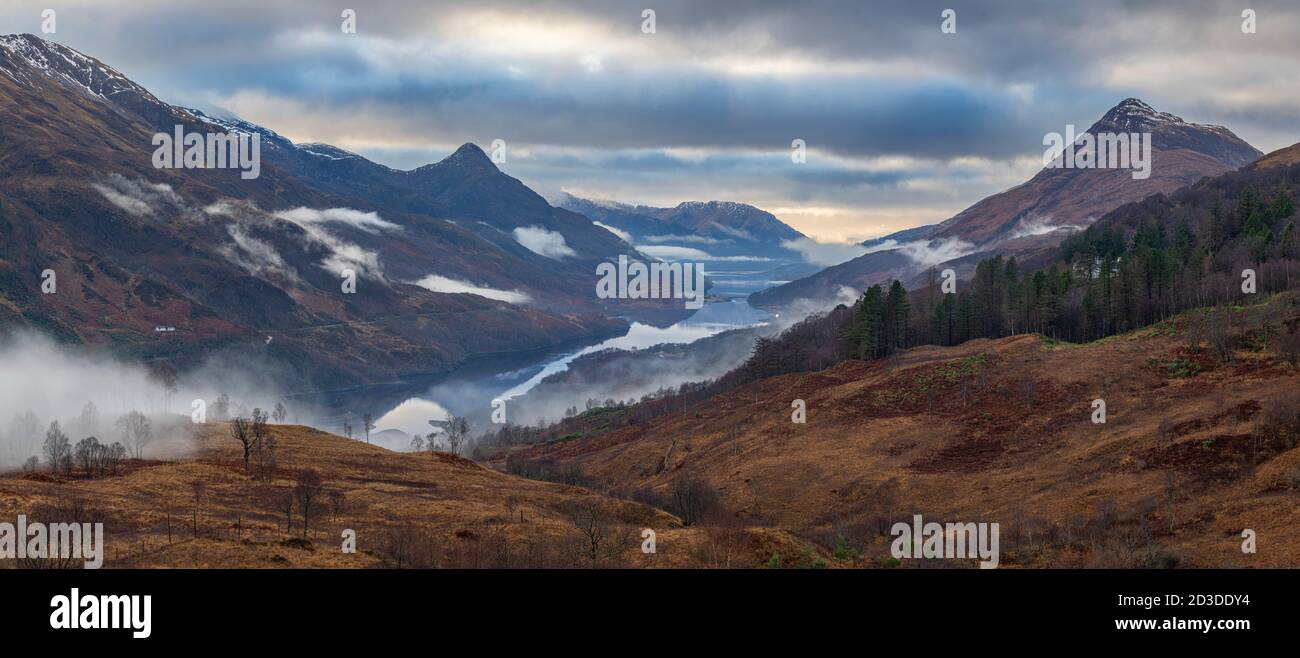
449	511
1000	430
1283	157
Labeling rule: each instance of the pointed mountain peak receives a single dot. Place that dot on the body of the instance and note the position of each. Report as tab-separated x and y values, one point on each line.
469	156
1133	106
1134	115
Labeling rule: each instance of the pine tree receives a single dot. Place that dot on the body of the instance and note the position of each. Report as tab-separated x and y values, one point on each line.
899	312
865	337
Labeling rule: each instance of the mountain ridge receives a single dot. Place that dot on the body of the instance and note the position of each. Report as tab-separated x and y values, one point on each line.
724	228
230	262
1028	219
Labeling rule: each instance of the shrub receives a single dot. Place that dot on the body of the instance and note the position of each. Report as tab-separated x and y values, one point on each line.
690	498
842	549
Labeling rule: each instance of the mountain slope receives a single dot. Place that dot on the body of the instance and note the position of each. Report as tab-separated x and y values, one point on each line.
719	228
1027	220
1283	157
996	431
407	510
1055	198
255	266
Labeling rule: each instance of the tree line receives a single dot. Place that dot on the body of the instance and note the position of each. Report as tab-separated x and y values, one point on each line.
1141	264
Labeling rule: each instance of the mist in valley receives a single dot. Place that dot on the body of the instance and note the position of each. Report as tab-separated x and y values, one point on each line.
87	392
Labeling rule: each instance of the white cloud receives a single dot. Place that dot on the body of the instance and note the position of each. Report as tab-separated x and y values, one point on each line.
257	257
700	239
825	254
543	242
623	235
673	252
1039	226
133	206
138	198
444	284
670	252
221	208
343	254
926	252
369	222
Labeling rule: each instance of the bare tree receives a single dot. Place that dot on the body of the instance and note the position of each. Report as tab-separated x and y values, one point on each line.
223	406
58	450
115	454
601	539
457	431
337	498
88	421
367	424
307	489
1220	335
724	534
241	430
164	375
280	413
265	459
407	546
136	430
691	498
284	500
264	446
91	456
431	442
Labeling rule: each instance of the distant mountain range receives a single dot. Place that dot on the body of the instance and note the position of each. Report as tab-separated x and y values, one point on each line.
1027	220
717	228
454	259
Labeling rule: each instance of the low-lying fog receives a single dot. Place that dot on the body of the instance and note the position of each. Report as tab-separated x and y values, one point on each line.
87	392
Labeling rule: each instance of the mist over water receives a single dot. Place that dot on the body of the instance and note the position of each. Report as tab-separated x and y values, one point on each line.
528	401
43	381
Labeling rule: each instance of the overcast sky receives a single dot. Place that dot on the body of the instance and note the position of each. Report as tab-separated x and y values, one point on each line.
905	125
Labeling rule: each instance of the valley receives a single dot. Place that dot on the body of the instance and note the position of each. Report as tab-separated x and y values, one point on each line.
316	360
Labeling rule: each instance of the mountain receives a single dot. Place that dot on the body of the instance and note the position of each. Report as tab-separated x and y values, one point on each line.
400	482
1058	200
899	237
1027	220
453	260
719	228
1284	157
974	406
992	431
